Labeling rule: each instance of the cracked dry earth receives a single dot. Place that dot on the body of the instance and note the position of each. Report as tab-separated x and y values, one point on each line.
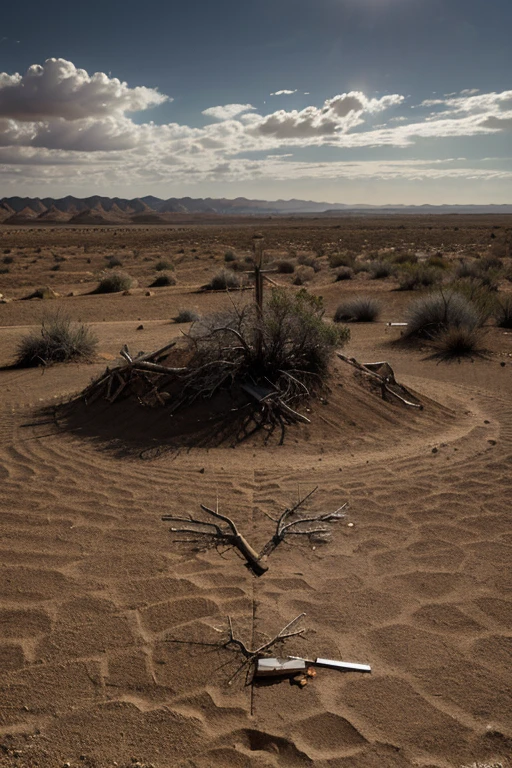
104	620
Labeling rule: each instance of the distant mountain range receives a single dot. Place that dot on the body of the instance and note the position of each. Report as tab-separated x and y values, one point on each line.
152	210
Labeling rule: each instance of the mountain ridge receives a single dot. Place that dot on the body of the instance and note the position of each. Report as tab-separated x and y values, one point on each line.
97	209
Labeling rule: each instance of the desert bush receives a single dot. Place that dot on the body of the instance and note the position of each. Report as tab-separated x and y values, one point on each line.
303	275
437	261
482	298
341	260
405	257
163	279
7	250
417	277
285	267
8	259
113	283
380	269
59	341
229	256
360	309
345	273
113	262
456	342
164	264
223	280
430	315
291	336
55	268
186	316
503	312
362	266
4	270
309	261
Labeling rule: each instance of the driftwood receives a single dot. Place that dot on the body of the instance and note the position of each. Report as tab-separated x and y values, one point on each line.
207	533
383	374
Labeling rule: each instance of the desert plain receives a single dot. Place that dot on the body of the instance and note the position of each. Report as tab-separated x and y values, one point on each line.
111	633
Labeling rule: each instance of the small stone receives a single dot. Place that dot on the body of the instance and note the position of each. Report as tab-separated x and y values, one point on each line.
140	327
201	471
350	525
486	421
149	293
434	450
492	442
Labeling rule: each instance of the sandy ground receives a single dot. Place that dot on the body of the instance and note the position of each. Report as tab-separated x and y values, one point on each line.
110	632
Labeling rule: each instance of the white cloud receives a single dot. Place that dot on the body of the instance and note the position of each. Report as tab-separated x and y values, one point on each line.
284	92
227	111
59	89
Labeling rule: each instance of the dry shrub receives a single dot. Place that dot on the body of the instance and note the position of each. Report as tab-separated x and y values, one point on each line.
186	316
223	280
59	341
229	256
360	309
503	312
303	275
341	260
418	276
431	315
457	342
380	270
345	273
163	280
285	267
114	283
164	264
113	262
291	337
405	257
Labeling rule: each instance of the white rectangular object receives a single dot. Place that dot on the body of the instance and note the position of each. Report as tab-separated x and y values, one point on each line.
343	665
268	667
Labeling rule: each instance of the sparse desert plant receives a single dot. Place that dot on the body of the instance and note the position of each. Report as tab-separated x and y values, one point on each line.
362	266
229	256
341	260
113	262
58	257
456	342
418	276
482	298
380	269
7	250
503	312
164	265
59	341
360	309
114	283
164	279
223	280
430	315
55	268
309	261
437	261
345	273
303	275
4	270
8	259
285	267
186	316
405	257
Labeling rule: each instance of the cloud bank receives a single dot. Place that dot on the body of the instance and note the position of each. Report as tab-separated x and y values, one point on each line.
57	121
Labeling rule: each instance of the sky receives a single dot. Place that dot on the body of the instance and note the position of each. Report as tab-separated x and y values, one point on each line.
348	101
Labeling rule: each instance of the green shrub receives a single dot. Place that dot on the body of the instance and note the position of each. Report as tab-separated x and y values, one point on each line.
163	280
430	315
59	341
360	309
114	283
186	316
223	280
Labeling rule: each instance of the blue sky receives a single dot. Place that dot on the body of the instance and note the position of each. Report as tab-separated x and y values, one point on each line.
372	101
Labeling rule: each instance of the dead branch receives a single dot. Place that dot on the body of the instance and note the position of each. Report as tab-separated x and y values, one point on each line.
252	655
213	534
385	381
